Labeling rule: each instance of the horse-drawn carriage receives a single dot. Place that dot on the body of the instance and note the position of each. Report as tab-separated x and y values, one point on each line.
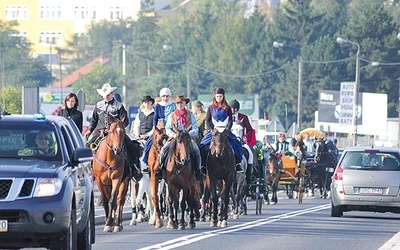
293	177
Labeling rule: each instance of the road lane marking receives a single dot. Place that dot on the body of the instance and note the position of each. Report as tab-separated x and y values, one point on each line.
188	239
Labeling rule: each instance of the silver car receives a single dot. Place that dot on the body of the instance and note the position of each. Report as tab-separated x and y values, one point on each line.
366	179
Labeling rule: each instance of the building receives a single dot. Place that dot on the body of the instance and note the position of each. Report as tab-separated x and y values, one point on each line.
50	23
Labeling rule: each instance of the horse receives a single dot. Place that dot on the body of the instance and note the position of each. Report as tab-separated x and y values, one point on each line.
273	177
180	179
221	172
326	162
112	174
159	139
239	187
300	155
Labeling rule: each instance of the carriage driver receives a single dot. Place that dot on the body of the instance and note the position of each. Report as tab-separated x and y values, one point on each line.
180	119
109	106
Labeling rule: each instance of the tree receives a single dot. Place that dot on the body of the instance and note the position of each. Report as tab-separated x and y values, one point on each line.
11	99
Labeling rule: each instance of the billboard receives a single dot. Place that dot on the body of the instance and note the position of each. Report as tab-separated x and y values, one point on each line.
248	103
329	107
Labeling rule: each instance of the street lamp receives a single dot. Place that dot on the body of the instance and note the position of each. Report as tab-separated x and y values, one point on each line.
357	84
299	85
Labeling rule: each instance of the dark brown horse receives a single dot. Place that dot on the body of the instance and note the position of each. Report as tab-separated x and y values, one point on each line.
179	176
222	174
300	154
273	176
159	139
112	174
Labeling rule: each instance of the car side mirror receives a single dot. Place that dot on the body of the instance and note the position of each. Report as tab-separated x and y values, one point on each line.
81	155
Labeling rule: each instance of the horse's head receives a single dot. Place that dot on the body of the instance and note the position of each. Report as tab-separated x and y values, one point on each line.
159	138
238	129
183	141
320	149
219	141
115	137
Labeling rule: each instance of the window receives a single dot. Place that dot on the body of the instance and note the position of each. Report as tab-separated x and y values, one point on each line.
50	12
16	12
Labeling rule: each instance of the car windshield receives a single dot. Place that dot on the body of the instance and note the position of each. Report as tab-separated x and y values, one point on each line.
29	141
371	160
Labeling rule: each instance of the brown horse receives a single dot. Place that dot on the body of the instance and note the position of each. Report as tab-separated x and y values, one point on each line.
179	176
300	154
112	174
159	139
273	177
221	173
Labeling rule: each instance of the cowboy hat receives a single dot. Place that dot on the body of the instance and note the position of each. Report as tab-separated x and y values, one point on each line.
148	98
105	90
181	98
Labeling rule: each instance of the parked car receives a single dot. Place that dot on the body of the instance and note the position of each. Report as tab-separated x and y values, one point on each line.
46	184
366	179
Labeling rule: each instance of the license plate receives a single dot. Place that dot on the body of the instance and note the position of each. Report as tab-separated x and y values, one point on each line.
371	190
3	226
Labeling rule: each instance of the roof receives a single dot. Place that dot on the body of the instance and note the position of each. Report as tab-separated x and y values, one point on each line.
70	79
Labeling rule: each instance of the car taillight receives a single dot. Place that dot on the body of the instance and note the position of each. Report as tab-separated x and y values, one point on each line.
338	175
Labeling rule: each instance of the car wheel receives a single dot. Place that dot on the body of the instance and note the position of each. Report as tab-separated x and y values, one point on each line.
85	238
69	240
336	211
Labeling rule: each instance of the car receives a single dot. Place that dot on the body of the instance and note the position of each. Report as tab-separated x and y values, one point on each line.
46	195
366	178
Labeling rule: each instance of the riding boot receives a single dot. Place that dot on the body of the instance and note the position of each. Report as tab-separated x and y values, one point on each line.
248	172
239	167
159	172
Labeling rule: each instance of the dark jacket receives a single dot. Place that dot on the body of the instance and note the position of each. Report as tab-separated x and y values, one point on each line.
74	114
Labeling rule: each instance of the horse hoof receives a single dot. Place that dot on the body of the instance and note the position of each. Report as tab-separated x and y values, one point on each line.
107	229
118	229
219	224
182	227
272	203
170	226
203	219
192	225
152	222
224	223
213	224
235	217
159	224
132	222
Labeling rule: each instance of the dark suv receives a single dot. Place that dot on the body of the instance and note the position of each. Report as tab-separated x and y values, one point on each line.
46	184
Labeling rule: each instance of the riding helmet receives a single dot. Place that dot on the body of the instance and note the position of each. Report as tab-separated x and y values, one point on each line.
234	104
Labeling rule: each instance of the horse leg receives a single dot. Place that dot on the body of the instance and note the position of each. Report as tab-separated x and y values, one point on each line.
214	206
182	225
112	204
133	186
122	191
225	203
154	197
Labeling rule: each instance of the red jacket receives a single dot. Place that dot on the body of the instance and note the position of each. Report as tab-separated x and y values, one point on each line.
249	132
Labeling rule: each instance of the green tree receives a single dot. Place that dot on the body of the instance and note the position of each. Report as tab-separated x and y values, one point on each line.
12	99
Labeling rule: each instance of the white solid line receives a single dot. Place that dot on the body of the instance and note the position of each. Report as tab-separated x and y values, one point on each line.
392	244
188	239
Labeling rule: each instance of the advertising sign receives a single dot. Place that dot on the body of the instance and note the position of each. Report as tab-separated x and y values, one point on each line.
347	102
52	95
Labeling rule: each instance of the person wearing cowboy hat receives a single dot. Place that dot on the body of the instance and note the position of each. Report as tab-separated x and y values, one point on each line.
143	125
219	110
161	112
200	115
99	124
181	119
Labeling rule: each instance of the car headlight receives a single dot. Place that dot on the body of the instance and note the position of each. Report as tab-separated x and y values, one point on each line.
47	187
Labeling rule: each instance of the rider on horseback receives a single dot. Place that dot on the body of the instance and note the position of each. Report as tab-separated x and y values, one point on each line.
109	106
220	110
248	138
180	119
